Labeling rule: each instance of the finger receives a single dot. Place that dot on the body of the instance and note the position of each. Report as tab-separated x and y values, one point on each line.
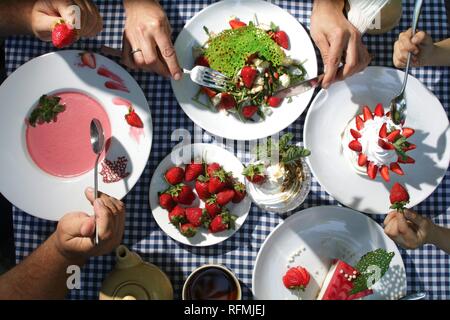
413	217
391	230
126	53
324	48
389	217
334	57
87	228
109	203
104	222
152	61
419	38
351	59
66	10
168	53
405	44
401	223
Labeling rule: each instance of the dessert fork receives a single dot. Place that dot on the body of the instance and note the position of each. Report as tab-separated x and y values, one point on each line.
208	77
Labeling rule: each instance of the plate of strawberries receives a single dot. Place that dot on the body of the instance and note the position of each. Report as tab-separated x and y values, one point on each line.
358	152
198	195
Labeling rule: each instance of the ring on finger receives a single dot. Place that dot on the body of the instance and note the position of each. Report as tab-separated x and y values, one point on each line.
135	51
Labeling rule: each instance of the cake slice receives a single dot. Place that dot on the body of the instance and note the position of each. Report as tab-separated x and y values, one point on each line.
339	283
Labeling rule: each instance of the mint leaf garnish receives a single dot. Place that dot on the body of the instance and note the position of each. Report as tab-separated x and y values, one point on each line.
46	111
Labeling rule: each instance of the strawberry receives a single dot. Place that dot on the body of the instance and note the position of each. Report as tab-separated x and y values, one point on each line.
249	111
296	278
407	132
224	197
188	230
223	221
218	181
399	197
212	207
383	131
391	137
367	113
372	170
274	102
166	201
193	171
385	145
174	175
182	194
362	159
239	192
177	216
133	119
88	59
202	61
384	172
406	159
395	167
282	39
236	24
255	173
355	134
379	111
359	123
197	217
63	34
227	101
201	186
355	145
212	167
409	146
248	75
388	114
209	92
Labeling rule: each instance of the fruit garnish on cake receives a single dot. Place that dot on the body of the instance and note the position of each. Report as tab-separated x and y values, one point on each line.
296	278
399	197
373	143
216	189
252	56
46	111
346	282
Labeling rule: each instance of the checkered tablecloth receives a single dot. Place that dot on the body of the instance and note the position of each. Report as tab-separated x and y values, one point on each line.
427	268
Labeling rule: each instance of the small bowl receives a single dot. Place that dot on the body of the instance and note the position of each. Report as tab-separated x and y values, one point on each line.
232	276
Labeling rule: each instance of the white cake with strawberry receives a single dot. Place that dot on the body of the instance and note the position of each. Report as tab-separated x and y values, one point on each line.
373	143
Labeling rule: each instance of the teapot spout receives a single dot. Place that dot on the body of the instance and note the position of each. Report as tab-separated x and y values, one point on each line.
126	259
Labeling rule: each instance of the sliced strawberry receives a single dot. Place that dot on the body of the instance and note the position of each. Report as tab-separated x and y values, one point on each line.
362	159
379	111
355	134
409	146
248	75
282	39
407	132
383	131
209	92
384	172
227	101
359	123
385	145
133	119
367	113
274	102
408	159
236	24
202	61
355	146
249	111
88	59
372	170
391	137
395	167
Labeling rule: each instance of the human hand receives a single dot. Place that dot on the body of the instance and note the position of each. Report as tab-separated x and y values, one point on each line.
148	34
75	231
408	229
337	39
46	13
421	47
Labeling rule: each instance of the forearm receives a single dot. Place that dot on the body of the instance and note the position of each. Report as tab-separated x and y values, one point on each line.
15	17
329	4
42	275
442	53
440	237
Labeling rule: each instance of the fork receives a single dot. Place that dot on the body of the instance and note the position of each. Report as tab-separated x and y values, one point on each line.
208	77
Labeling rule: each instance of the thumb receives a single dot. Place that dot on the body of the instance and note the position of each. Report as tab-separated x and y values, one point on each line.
67	11
413	217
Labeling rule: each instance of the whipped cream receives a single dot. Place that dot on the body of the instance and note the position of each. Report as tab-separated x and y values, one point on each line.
369	142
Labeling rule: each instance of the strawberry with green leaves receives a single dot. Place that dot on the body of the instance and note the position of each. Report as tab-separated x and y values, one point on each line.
201	187
193	171
212	207
63	34
166	201
399	197
188	230
197	217
239	192
182	194
224	197
223	221
218	181
212	167
255	173
174	175
177	216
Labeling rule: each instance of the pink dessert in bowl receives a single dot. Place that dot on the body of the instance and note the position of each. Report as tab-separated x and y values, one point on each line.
61	145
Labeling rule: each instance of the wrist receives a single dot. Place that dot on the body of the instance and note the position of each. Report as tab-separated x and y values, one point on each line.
433	232
329	5
69	258
441	54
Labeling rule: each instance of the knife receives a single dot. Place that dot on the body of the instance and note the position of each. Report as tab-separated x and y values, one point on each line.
300	87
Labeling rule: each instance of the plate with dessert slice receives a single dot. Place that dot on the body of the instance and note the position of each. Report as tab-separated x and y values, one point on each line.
261	48
198	196
47	159
358	153
328	253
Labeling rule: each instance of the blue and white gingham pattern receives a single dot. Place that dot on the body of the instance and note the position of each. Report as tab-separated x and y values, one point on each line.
427	268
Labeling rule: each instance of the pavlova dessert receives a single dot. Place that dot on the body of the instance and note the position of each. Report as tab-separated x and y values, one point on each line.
279	178
252	56
372	143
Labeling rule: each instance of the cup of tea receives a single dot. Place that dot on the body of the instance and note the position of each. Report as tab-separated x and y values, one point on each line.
212	282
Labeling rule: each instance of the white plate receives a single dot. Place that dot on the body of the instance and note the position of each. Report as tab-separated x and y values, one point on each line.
331	111
323	233
27	186
210	153
216	17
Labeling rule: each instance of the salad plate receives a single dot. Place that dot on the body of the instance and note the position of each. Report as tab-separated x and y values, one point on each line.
333	163
218	27
205	154
312	239
47	160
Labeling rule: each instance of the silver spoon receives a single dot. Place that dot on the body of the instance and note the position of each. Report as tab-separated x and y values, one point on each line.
415	296
98	144
398	104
